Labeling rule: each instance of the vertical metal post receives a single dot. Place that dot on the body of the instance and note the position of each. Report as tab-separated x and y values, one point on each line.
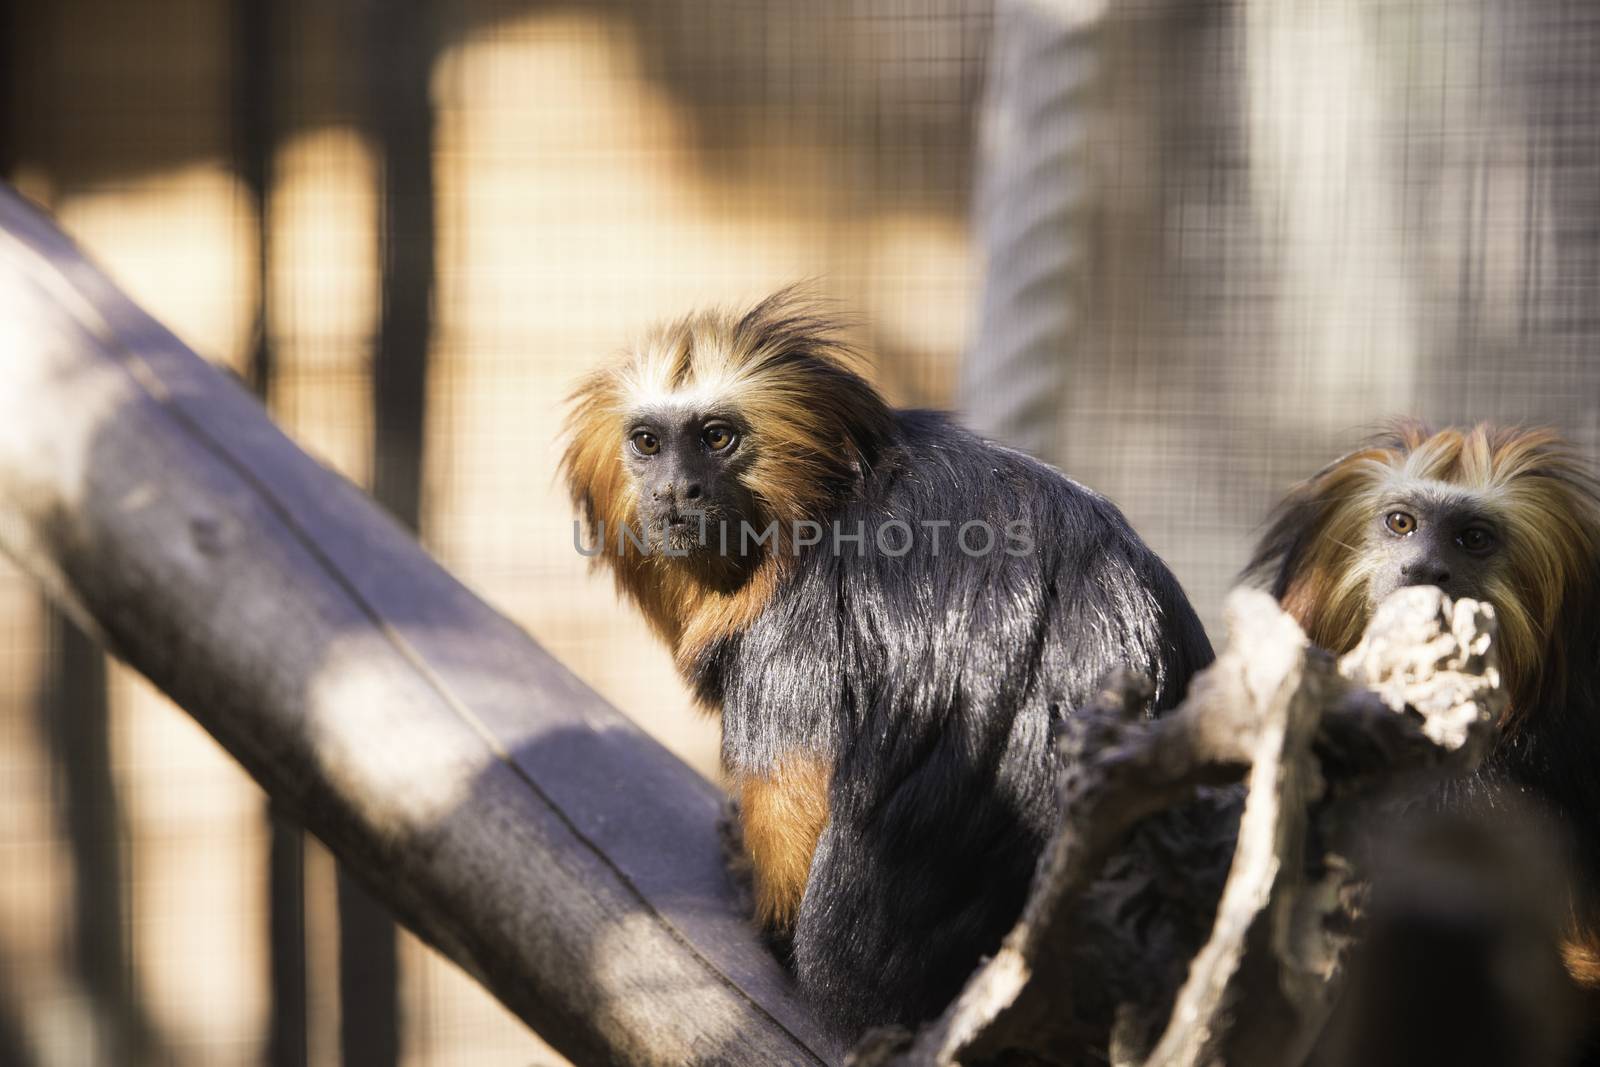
399	39
255	124
1034	186
75	716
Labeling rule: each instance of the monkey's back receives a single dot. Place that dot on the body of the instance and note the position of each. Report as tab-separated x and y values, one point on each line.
929	682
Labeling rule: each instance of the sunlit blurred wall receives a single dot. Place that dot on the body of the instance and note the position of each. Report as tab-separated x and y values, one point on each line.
580	204
598	166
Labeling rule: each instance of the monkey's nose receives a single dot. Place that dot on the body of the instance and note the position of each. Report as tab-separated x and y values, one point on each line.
691	491
1425	573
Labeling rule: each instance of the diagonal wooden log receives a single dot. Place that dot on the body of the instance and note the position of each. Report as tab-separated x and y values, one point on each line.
502	809
1177	921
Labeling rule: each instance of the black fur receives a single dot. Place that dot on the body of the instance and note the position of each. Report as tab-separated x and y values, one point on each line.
930	683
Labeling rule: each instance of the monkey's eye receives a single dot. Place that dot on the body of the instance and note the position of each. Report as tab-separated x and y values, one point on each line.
1476	539
1400	523
717	437
646	443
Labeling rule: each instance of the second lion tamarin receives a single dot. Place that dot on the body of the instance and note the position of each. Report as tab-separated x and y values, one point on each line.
888	612
1501	514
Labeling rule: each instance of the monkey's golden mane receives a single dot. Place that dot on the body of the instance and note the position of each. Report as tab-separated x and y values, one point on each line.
810	417
1537	488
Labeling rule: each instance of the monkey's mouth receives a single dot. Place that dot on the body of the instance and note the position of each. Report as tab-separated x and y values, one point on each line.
677	523
677	531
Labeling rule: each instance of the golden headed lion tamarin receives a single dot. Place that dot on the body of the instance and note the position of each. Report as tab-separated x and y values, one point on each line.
889	614
1501	514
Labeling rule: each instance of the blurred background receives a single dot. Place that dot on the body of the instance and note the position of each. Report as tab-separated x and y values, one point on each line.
1187	251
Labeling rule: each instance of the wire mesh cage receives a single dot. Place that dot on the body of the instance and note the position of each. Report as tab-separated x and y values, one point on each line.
1188	252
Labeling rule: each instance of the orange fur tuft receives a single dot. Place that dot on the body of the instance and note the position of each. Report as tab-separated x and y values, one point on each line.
782	815
1580	952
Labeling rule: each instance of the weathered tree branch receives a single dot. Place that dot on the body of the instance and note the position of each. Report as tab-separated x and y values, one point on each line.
1132	945
501	808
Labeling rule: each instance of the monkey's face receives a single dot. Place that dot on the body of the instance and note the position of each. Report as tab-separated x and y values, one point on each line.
686	464
1504	515
1436	535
